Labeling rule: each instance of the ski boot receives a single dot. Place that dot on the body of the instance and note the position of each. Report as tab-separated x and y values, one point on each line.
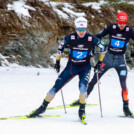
38	111
126	110
81	112
75	103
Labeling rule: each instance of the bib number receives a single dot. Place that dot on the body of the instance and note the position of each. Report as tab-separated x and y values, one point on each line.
79	55
117	43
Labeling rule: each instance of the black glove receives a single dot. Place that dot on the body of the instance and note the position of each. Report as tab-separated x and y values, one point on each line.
97	66
57	66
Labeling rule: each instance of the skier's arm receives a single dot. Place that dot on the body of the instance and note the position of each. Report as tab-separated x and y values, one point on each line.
103	32
132	34
102	47
61	47
102	51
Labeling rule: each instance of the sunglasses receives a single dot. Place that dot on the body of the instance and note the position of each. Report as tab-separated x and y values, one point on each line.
81	29
121	22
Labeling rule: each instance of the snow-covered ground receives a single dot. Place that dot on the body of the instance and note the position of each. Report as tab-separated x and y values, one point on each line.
22	89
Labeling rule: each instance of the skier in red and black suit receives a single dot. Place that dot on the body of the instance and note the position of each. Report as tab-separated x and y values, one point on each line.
81	44
119	36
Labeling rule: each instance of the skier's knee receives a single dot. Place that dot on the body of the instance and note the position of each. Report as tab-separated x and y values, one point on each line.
82	87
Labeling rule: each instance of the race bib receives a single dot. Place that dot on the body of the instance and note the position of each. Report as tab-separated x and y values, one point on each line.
117	43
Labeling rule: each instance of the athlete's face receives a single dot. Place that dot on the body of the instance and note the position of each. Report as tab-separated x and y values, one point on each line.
81	32
121	24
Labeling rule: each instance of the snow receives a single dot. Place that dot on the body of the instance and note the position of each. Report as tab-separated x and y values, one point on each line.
24	88
74	13
61	14
131	2
20	8
96	5
67	9
44	0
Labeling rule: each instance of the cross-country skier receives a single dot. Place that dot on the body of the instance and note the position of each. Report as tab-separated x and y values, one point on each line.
81	44
119	36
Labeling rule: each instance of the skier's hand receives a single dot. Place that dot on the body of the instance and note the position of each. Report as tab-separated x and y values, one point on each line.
97	66
57	66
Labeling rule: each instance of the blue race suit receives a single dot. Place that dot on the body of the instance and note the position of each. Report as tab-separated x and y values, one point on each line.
79	60
115	56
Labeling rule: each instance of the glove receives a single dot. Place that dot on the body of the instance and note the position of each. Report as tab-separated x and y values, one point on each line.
97	66
57	66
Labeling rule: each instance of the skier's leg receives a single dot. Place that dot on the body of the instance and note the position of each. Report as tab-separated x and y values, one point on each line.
90	86
101	71
84	77
63	78
83	81
122	73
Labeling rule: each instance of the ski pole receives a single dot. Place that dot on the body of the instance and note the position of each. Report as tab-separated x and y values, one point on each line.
97	74
63	99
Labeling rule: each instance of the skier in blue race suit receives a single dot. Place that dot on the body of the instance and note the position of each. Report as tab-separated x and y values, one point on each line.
81	44
119	36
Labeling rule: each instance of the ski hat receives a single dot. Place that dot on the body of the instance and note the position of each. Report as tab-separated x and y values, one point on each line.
80	22
122	16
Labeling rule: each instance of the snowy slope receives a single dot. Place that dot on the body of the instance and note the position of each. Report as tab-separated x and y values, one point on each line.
23	89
